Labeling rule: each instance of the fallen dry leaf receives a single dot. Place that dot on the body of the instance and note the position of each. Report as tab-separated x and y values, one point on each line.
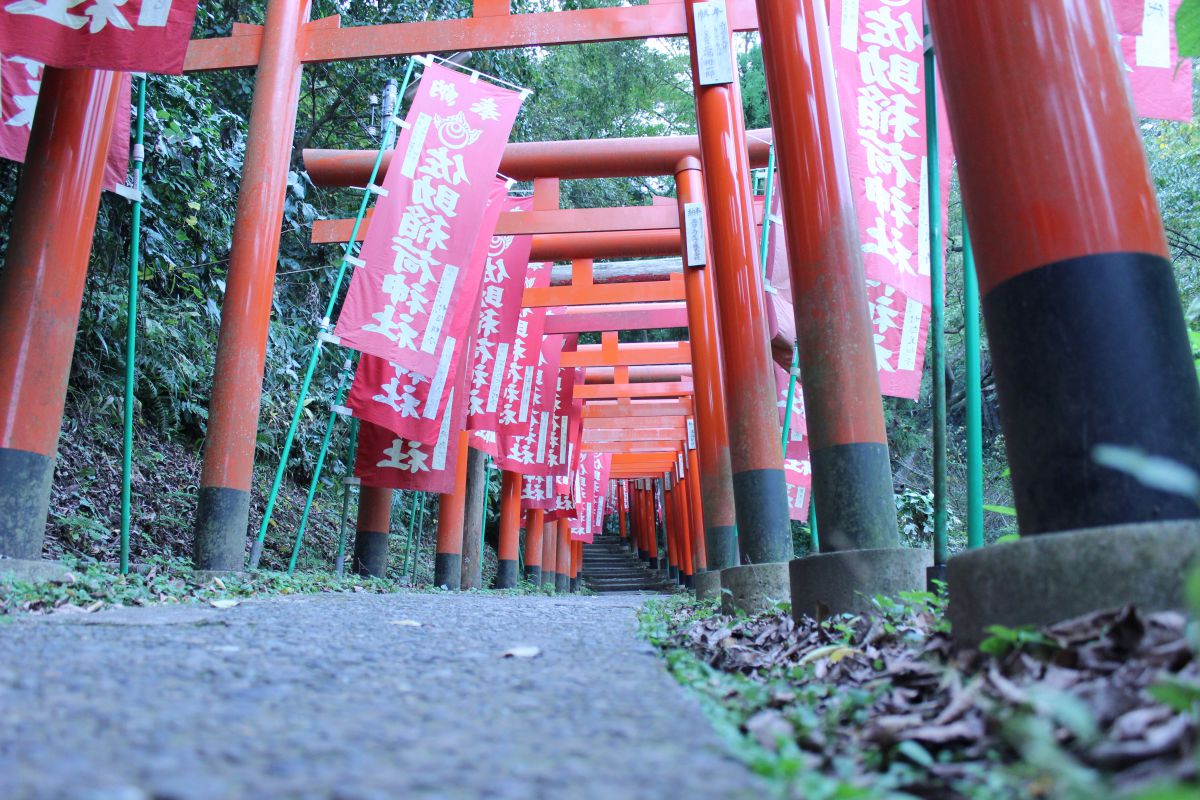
222	603
405	623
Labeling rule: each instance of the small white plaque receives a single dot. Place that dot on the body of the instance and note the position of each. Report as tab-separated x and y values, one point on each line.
691	433
714	51
697	243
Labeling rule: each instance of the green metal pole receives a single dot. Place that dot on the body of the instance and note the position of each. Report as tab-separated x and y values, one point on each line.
791	396
341	551
420	532
316	478
138	155
941	549
412	519
814	539
974	395
487	479
768	198
389	137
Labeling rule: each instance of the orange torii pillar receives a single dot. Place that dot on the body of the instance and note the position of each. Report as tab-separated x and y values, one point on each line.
1087	333
709	427
509	545
621	523
698	520
41	289
223	510
550	554
686	556
534	524
562	577
576	565
371	533
637	517
671	527
756	458
852	475
452	509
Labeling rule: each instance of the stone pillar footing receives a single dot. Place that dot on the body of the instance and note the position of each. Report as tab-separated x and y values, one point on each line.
1040	580
844	582
708	585
754	588
935	575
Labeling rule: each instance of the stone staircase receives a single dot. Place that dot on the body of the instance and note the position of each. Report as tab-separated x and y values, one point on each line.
608	566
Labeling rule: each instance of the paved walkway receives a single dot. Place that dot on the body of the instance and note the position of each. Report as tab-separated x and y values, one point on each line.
328	697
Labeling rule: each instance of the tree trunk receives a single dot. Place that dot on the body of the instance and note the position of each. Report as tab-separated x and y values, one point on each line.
472	549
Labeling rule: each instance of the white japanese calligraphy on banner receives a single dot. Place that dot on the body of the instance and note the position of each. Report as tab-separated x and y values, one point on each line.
417	255
500	312
879	59
125	35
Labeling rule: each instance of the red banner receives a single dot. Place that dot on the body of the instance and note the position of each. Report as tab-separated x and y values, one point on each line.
527	451
406	300
517	387
1161	83
562	418
126	35
399	399
20	83
537	491
387	460
500	299
879	56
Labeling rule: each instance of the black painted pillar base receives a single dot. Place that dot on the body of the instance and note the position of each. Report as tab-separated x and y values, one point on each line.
856	504
687	581
533	574
370	554
574	585
549	579
934	576
643	556
220	531
506	574
562	583
447	571
673	572
25	482
721	546
763	519
1092	351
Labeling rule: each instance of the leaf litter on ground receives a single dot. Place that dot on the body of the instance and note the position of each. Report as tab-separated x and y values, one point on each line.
891	688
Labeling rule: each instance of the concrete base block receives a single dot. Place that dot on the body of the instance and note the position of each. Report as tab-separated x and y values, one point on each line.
31	571
754	588
708	585
844	582
1048	578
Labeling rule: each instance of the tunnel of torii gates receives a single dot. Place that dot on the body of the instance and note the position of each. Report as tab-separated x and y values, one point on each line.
1087	336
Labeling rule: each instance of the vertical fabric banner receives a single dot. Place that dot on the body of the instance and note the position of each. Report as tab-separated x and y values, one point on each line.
537	492
390	461
517	387
20	84
125	35
528	450
406	302
500	311
564	403
1160	82
402	400
879	57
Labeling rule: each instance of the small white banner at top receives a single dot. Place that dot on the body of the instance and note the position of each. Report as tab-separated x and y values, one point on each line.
691	433
714	54
697	244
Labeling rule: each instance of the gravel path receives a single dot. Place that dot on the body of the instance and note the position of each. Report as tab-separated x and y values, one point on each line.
328	697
